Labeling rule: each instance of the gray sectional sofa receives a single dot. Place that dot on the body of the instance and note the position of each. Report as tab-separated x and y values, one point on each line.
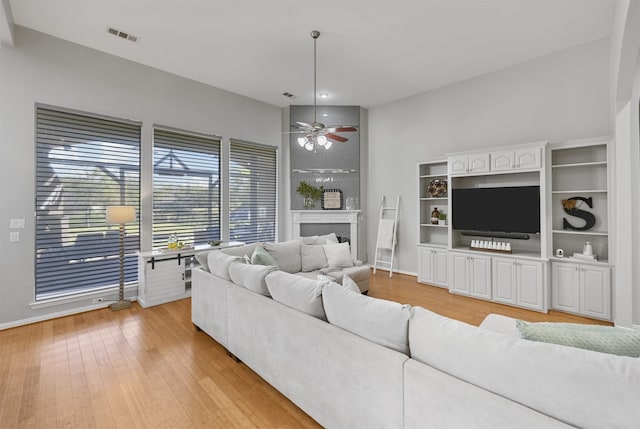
353	361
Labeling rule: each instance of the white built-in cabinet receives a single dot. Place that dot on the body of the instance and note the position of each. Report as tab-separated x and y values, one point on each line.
470	275
581	168
508	160
518	282
582	289
433	263
532	276
465	164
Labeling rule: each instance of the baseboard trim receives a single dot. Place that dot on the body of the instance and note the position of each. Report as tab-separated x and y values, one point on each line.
408	273
49	316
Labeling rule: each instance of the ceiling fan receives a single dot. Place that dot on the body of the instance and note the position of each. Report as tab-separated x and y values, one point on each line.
316	133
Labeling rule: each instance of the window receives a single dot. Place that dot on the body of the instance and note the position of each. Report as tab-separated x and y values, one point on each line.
83	164
253	171
186	187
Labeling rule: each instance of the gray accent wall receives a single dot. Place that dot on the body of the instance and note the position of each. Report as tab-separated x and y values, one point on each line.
341	162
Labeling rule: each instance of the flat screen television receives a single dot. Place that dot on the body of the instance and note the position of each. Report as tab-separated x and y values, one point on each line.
513	209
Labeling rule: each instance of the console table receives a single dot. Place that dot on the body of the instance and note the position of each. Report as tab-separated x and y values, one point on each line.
165	275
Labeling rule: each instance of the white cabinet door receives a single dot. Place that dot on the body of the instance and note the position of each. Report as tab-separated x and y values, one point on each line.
441	267
480	276
425	265
458	279
530	285
565	287
479	163
595	291
162	281
503	160
527	158
504	280
458	165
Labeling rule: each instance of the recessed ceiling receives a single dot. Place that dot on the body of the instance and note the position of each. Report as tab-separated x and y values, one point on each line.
370	52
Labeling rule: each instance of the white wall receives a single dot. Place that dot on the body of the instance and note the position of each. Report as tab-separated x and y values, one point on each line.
625	96
42	69
556	97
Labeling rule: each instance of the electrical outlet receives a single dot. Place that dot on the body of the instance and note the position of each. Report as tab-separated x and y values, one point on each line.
14	236
97	300
16	223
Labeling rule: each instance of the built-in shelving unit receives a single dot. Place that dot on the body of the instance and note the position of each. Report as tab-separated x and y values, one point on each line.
530	276
581	168
430	233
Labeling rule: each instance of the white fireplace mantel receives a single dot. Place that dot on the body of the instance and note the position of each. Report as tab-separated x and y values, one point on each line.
329	216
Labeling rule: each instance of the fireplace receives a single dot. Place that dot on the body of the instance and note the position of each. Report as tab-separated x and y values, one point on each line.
324	217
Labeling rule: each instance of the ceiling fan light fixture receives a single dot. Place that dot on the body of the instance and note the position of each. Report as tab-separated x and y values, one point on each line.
328	145
322	140
309	145
302	141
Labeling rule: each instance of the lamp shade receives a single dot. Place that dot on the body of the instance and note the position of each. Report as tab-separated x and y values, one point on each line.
121	214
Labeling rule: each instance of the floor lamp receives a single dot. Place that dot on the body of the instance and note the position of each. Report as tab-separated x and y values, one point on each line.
121	215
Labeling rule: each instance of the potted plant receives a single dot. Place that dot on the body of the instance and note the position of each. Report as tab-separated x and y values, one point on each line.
310	193
442	219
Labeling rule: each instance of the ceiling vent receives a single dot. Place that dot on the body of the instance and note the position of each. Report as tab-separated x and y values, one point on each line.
122	34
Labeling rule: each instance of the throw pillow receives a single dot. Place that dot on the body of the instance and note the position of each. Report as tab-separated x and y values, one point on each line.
383	322
605	339
202	260
251	277
219	263
338	255
262	257
349	284
312	257
297	292
286	254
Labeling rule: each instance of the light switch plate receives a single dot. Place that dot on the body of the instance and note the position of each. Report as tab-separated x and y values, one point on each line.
14	236
16	224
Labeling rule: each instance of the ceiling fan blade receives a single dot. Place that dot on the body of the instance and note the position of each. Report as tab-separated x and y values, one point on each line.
303	124
336	137
342	129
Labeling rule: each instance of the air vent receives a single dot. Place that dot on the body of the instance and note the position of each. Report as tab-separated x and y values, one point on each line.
288	94
122	34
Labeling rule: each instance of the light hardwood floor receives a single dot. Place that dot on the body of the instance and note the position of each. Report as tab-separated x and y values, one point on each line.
151	368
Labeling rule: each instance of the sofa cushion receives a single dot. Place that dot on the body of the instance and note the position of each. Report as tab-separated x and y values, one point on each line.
297	292
261	257
312	257
605	339
202	258
219	263
357	274
338	255
251	276
383	322
286	255
320	239
566	383
244	250
349	284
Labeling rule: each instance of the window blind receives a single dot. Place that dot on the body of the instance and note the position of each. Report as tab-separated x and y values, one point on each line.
186	187
83	164
253	191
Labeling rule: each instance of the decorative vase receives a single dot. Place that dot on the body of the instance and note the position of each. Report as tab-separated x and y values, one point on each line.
309	203
437	188
435	216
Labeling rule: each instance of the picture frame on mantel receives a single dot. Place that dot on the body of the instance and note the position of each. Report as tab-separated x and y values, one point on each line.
332	199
